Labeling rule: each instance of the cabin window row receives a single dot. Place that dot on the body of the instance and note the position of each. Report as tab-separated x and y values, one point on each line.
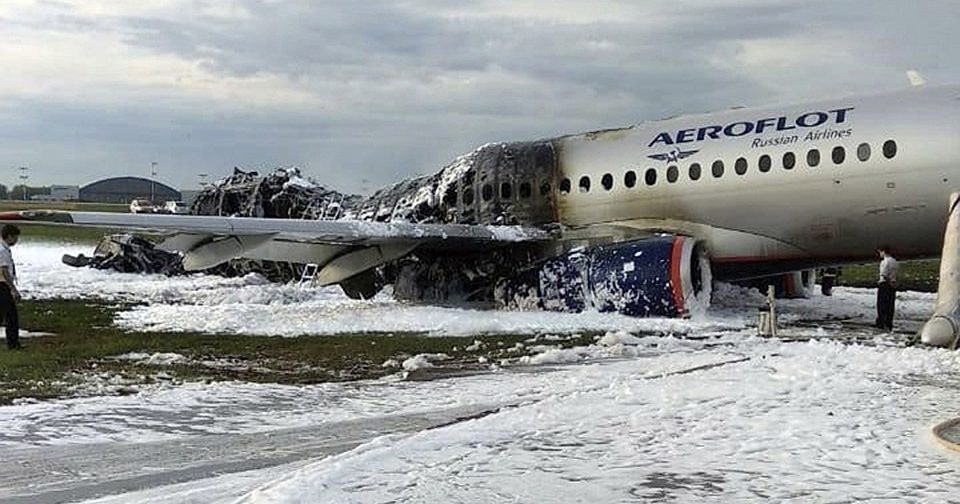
487	191
764	164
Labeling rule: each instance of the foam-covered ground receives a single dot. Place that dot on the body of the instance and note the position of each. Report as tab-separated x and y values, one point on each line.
251	305
729	418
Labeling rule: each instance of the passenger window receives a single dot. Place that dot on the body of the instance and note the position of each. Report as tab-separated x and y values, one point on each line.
695	171
717	169
764	163
673	173
607	181
584	184
450	197
487	192
565	186
789	161
468	197
813	158
545	188
839	155
630	178
889	149
525	190
863	152
651	176
740	166
506	192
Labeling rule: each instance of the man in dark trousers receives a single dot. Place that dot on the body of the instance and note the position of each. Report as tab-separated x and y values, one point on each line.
886	288
9	295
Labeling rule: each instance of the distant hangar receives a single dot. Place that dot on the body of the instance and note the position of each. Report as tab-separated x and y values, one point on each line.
124	189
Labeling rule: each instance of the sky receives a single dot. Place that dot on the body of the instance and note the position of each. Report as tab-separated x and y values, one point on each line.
362	94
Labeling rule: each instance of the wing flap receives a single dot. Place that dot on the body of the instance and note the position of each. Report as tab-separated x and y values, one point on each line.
334	232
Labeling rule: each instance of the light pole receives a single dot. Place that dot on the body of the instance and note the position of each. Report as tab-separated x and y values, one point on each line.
24	175
203	180
153	174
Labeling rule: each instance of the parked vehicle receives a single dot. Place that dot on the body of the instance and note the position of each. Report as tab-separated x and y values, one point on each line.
142	206
175	207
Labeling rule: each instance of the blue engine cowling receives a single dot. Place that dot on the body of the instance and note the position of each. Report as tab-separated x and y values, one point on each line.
662	276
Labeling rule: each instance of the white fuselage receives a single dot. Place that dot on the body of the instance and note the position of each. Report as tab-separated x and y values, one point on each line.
832	212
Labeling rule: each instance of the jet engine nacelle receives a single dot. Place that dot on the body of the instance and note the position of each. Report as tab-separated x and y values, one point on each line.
663	276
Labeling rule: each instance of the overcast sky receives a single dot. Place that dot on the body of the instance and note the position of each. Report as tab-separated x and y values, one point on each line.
380	91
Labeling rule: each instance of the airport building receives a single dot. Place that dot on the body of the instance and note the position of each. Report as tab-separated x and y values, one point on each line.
65	192
125	189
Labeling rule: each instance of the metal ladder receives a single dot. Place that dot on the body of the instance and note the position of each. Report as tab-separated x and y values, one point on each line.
309	274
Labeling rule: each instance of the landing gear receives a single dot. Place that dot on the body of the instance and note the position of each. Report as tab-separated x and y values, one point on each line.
828	278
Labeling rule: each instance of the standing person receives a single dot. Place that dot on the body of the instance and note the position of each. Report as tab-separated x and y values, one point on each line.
9	295
886	288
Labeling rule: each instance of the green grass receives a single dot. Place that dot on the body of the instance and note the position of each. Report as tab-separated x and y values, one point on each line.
47	233
35	233
921	275
16	205
84	337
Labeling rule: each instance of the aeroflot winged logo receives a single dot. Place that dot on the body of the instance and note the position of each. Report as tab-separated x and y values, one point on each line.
674	155
785	125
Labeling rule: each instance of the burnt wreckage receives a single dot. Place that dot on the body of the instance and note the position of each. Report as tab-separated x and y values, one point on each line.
497	184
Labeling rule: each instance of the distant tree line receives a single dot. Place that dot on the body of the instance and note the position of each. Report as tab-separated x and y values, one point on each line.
17	192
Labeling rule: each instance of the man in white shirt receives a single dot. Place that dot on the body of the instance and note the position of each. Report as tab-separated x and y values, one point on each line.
9	295
886	288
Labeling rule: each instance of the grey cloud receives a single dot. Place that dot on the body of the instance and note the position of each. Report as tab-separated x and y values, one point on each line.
380	65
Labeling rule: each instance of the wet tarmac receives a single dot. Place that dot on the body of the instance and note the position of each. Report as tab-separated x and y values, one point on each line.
52	474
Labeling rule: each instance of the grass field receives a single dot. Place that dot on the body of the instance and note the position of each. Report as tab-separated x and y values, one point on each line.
12	205
920	275
84	340
34	233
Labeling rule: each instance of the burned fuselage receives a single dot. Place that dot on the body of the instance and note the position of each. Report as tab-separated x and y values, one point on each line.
497	184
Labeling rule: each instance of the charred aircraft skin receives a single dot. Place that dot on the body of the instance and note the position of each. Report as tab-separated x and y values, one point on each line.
497	184
501	183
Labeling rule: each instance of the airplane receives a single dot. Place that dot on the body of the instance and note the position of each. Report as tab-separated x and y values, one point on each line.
636	220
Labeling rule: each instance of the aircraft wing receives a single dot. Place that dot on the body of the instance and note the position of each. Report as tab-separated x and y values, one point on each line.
341	248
